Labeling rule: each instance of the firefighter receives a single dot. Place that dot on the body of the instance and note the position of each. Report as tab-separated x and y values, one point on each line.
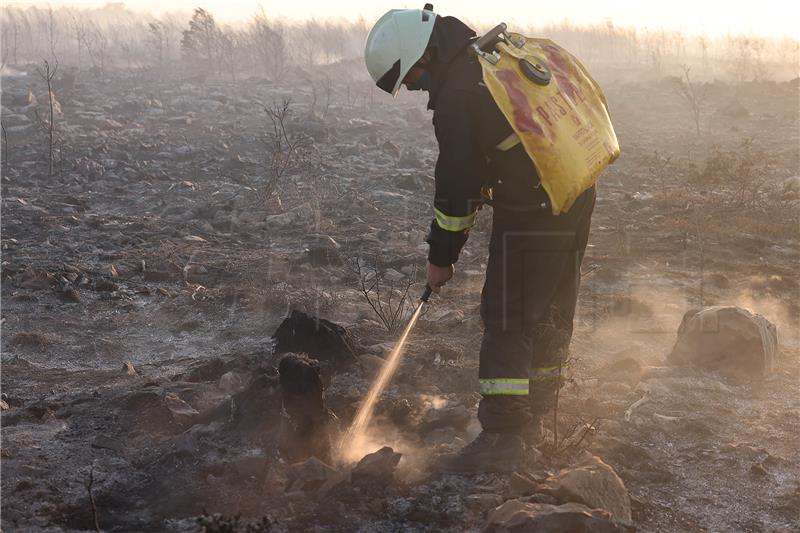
533	272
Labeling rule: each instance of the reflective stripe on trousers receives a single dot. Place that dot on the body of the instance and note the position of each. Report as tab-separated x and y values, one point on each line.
505	386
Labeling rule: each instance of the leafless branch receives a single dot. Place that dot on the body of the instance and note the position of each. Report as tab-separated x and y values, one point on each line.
89	484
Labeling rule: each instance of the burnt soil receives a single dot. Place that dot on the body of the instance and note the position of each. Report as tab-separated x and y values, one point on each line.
154	244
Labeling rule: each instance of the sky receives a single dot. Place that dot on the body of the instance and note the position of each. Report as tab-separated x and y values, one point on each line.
776	18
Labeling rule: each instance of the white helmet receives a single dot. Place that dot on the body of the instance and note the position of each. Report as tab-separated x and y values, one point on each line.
395	43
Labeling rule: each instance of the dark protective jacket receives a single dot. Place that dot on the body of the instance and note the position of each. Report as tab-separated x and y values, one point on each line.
469	127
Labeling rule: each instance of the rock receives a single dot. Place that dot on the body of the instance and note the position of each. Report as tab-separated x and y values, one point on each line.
593	483
440	436
412	182
104	285
734	110
731	340
276	479
393	276
15	119
517	516
108	443
391	149
129	369
371	364
376	466
455	415
304	423
72	295
232	382
313	476
324	251
250	466
483	501
206	371
182	412
320	338
628	370
410	159
791	185
522	484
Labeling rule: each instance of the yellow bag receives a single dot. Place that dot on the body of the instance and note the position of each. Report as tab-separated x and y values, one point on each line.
555	107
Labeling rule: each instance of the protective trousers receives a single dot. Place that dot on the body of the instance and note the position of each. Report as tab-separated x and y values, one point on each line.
527	306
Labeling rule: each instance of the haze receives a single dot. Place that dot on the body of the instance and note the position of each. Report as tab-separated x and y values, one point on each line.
774	18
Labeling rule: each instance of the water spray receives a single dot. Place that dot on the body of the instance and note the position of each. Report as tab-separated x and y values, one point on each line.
353	442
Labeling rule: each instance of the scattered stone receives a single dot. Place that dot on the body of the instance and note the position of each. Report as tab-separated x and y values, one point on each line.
410	159
232	382
455	415
731	340
108	443
209	370
628	370
440	436
27	339
71	295
324	251
276	479
320	338
129	369
104	285
758	470
376	466
412	182
483	502
313	476
250	466
391	149
594	483
515	516
370	364
182	412
521	484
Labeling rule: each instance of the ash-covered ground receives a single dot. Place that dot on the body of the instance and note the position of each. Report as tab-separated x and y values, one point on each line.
143	280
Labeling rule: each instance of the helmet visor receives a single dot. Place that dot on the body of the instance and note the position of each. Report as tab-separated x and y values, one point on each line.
388	81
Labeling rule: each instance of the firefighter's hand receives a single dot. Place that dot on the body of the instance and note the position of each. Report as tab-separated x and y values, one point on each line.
438	276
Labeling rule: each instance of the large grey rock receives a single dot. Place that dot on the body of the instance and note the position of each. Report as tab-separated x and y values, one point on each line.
730	340
593	483
517	516
313	476
377	466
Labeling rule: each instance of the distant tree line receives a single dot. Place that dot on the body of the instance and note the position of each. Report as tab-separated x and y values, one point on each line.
198	44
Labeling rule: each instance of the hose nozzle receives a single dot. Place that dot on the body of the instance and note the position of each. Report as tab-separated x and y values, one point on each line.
426	294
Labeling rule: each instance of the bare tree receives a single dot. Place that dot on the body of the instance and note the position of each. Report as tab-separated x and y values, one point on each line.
47	74
96	44
693	96
228	48
201	42
5	147
390	301
269	41
78	29
158	42
286	152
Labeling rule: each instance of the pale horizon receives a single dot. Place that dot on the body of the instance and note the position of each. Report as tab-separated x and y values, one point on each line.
773	18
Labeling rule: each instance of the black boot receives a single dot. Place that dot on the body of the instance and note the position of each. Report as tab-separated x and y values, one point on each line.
489	452
534	432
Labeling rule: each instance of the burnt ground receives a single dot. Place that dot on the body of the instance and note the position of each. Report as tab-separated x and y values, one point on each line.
157	242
